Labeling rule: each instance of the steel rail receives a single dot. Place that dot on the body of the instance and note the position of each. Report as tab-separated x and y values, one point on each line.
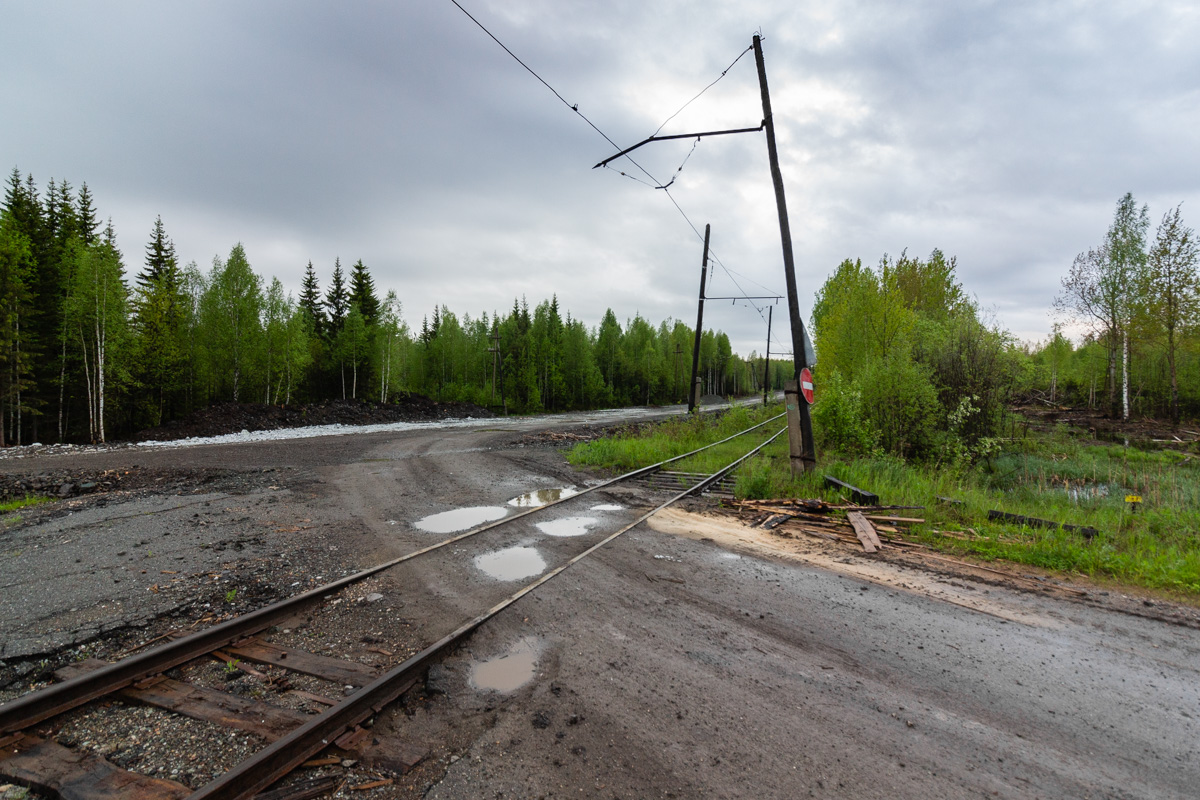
34	707
285	754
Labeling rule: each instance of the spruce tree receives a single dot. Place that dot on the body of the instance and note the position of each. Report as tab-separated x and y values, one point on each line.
86	213
160	255
362	293
310	299
158	319
337	301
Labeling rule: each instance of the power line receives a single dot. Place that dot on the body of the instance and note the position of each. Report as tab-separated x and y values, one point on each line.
702	91
657	184
573	106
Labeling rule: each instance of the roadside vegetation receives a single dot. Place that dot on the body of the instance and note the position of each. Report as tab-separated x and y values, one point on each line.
1061	476
915	391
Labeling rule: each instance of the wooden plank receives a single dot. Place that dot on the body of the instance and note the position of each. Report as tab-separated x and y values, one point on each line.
49	768
304	790
861	496
198	702
885	518
865	531
347	673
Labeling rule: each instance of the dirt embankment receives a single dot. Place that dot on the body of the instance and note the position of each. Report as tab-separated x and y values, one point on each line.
1105	428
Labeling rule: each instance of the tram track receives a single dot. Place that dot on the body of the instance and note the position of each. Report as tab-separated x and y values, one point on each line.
293	748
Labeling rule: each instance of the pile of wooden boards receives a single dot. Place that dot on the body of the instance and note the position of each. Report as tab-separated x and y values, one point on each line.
862	525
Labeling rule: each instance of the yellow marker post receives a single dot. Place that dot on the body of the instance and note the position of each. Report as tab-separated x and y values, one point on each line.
1133	500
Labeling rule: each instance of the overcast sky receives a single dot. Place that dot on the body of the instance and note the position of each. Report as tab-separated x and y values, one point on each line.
1002	133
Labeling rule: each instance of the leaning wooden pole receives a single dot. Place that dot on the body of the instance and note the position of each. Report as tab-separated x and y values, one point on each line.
694	387
808	449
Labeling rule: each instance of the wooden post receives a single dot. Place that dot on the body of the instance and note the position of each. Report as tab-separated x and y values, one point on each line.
808	448
694	393
794	403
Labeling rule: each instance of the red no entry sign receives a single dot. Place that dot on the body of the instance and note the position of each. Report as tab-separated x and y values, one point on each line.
806	385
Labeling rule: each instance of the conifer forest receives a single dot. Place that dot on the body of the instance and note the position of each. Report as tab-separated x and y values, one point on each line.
97	344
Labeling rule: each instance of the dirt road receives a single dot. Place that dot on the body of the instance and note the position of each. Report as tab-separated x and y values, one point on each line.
686	659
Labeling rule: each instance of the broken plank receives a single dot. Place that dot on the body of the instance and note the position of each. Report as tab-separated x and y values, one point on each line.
774	520
347	673
865	531
304	790
49	768
861	496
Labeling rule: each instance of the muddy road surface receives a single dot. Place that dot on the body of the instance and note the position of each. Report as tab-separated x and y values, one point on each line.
688	658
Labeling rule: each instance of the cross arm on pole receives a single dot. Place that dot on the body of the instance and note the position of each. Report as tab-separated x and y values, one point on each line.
701	135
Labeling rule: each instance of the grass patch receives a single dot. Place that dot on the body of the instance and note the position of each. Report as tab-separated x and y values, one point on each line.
1054	476
23	502
643	445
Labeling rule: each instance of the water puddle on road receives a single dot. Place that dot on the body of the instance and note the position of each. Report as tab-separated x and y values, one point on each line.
512	563
541	497
460	519
608	507
508	672
567	526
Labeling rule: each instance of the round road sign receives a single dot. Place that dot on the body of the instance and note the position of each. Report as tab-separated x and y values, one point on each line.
806	385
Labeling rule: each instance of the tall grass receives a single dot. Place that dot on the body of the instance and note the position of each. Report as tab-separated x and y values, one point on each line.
1053	476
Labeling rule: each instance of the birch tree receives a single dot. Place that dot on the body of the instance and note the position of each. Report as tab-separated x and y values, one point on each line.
387	337
1172	288
1123	271
97	314
232	309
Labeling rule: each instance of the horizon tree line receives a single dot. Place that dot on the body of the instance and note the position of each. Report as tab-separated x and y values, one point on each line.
88	354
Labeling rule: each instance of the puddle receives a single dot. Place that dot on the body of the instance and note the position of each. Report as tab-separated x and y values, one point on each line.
510	671
460	519
608	507
512	563
567	526
542	497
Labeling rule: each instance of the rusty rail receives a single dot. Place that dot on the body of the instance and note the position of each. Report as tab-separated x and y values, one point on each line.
32	708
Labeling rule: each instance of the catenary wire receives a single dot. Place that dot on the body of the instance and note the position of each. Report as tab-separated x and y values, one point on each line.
702	91
656	184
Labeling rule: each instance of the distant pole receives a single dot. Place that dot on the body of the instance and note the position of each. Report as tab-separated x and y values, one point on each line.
767	361
808	449
678	353
495	351
694	386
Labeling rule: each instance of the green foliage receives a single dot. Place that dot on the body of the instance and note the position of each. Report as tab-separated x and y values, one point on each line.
231	318
841	421
23	502
1051	476
900	350
82	355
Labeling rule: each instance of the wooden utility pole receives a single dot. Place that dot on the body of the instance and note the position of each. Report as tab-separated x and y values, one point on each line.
767	360
808	452
694	387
